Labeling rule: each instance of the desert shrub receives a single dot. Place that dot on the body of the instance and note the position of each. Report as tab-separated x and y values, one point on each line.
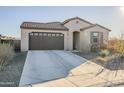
95	47
117	45
103	46
6	54
104	53
120	47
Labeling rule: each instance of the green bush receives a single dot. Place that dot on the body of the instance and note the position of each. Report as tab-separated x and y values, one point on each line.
104	53
6	54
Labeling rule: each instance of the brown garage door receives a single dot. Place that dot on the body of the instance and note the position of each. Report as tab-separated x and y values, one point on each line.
46	41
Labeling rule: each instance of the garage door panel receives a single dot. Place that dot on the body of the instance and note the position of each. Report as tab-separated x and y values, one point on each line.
46	41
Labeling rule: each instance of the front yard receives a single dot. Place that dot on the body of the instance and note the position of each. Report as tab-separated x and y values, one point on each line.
110	68
10	76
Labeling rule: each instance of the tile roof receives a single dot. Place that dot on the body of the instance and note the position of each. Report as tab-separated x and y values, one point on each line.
56	25
47	26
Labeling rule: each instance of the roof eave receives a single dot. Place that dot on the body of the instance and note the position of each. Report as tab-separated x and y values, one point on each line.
94	26
103	27
66	21
43	28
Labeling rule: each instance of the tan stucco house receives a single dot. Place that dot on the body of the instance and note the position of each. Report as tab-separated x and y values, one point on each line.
72	34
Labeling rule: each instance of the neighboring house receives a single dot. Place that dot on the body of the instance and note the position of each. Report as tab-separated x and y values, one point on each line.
6	40
72	34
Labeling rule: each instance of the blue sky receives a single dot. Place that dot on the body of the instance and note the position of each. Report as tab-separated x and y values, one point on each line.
12	17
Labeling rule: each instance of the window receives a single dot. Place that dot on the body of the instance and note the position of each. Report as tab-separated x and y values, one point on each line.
36	34
95	40
95	34
45	34
77	22
49	34
57	34
95	37
53	34
31	34
61	35
40	34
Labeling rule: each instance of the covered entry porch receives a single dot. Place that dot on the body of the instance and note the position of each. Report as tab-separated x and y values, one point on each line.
76	40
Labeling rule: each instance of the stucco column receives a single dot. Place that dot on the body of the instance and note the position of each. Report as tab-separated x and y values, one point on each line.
70	41
24	41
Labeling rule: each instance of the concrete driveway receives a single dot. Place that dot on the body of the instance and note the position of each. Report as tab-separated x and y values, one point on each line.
42	66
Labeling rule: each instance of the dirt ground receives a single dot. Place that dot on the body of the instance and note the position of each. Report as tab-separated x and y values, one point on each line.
113	63
88	56
10	77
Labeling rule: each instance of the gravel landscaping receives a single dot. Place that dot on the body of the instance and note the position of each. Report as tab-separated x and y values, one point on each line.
10	77
89	56
112	62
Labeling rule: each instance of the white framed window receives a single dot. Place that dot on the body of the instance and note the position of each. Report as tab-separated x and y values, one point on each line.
49	34
95	34
31	34
95	37
61	34
36	34
53	34
57	34
40	34
95	40
45	34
